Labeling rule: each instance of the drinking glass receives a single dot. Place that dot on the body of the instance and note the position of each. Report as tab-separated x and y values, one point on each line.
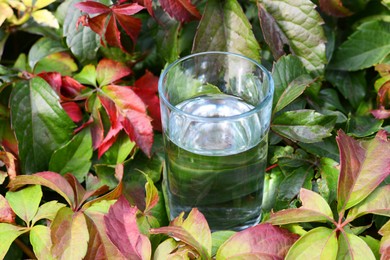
216	110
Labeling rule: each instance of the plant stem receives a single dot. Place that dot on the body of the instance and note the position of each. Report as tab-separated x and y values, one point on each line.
25	249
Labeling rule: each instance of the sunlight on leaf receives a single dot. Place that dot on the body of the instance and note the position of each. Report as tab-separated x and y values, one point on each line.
109	71
48	211
8	233
263	241
41	242
353	247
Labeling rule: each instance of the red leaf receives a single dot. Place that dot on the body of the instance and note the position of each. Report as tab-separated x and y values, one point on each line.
10	163
92	7
131	25
73	111
109	71
7	215
127	9
71	88
54	79
122	229
334	7
381	113
146	88
181	10
263	241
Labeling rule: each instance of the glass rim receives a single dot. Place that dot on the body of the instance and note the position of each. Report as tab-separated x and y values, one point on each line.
250	112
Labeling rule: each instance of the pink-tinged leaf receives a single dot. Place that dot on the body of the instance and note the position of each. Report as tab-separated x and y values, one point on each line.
41	242
146	88
125	98
363	166
381	113
47	211
72	89
93	106
69	235
73	110
193	231
384	249
353	247
9	161
48	179
263	241
314	209
318	243
376	203
122	229
7	215
334	8
181	10
127	9
108	71
92	7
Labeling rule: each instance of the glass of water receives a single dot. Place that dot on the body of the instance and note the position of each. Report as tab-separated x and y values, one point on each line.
216	110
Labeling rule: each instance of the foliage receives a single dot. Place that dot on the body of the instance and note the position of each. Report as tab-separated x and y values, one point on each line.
81	154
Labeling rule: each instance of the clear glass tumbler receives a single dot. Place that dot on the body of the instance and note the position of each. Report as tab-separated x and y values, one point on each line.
216	110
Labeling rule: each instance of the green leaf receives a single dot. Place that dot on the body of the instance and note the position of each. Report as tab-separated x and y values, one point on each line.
254	243
168	42
74	157
301	24
359	53
330	172
87	75
374	245
47	211
326	148
363	126
8	233
353	247
314	208
41	242
224	27
194	231
385	241
69	235
165	248
81	40
42	48
364	165
375	203
291	185
304	125
318	243
25	202
57	62
119	151
218	238
40	123
352	85
290	79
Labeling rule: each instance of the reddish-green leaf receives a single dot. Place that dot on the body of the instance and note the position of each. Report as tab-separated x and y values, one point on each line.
318	243
7	215
181	10
92	7
314	208
122	229
41	242
334	7
8	233
353	247
9	161
364	165
152	198
50	180
109	71
193	231
69	235
25	202
376	203
263	241
385	241
47	211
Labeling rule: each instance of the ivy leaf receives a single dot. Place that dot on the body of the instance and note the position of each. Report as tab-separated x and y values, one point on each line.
224	27
300	16
7	215
357	53
87	75
82	42
263	241
41	242
385	241
318	243
109	71
41	125
218	238
47	211
152	197
8	233
334	8
122	229
109	20
9	160
375	203
74	157
69	235
61	62
193	231
353	247
290	79
43	48
364	165
25	202
304	125
314	208
181	10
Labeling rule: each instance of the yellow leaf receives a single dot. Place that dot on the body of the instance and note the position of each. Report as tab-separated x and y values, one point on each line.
37	4
45	17
6	12
17	5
